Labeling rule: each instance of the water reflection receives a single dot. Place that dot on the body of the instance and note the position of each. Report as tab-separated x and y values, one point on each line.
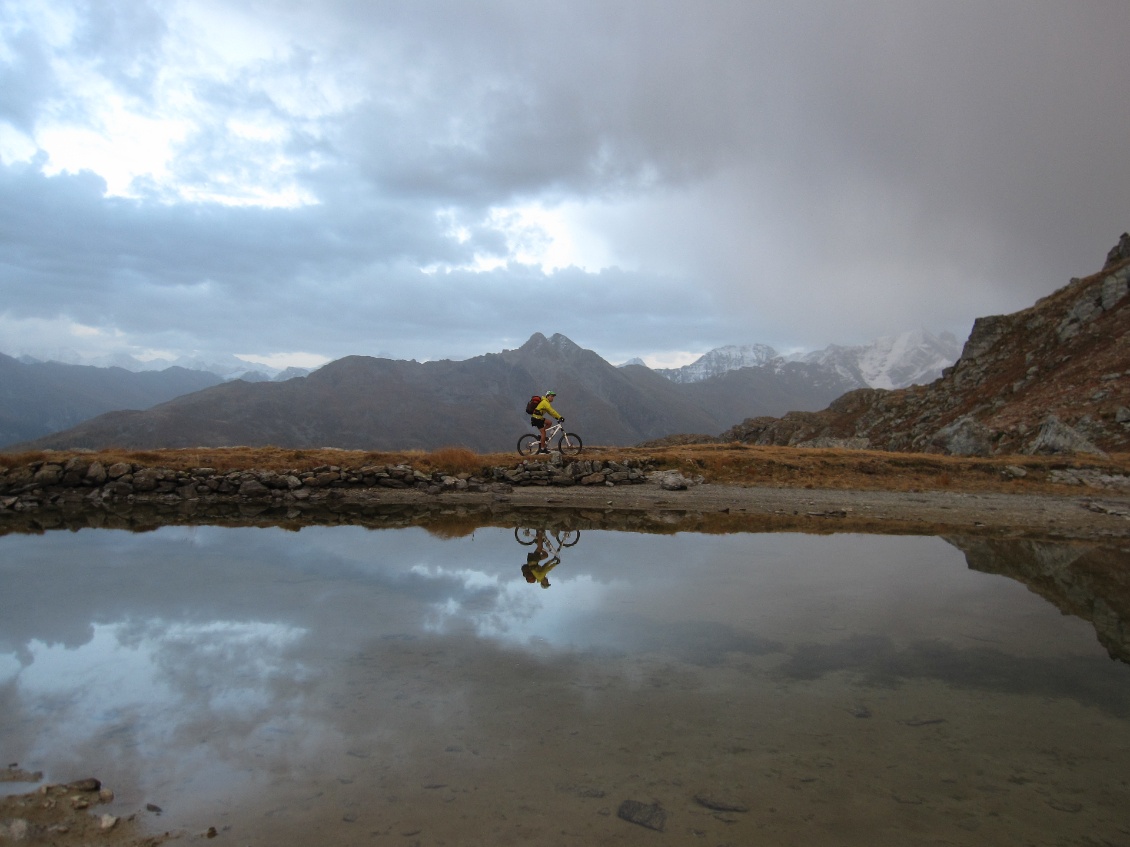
546	552
333	683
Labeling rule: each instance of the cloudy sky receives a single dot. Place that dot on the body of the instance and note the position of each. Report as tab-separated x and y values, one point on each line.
295	181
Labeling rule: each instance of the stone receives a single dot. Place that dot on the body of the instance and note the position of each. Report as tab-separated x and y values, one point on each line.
15	830
77	464
253	488
649	815
964	437
119	469
146	479
1055	437
720	804
49	474
671	480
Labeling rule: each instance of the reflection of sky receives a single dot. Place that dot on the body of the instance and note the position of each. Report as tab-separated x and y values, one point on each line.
517	611
205	649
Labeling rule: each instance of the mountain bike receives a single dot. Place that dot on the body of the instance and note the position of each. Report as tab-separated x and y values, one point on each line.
568	443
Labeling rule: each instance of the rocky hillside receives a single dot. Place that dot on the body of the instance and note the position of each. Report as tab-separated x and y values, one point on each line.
1054	377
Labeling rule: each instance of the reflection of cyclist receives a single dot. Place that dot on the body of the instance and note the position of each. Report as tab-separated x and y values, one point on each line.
535	570
537	419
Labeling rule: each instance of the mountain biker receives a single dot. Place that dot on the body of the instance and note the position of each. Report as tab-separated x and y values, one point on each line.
538	421
534	570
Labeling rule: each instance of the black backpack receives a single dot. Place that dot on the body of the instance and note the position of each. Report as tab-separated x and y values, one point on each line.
532	406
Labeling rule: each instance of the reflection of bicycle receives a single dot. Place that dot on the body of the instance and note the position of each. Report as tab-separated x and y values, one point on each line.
568	444
543	558
528	535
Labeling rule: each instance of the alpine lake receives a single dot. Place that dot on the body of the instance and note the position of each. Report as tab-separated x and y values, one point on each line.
554	678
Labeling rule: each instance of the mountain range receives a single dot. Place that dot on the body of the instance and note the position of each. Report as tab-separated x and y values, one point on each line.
360	402
38	398
225	366
723	386
890	362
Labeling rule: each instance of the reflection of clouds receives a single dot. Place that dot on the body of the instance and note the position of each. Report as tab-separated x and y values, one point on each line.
510	609
135	684
9	667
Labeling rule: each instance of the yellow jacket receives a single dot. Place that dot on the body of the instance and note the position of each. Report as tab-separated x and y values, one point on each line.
544	407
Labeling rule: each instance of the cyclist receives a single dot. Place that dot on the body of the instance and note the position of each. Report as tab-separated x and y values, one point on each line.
534	570
537	419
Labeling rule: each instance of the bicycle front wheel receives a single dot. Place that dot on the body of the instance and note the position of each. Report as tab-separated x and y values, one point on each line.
569	444
528	445
569	537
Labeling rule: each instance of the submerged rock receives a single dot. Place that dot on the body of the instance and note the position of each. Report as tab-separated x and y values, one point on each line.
647	815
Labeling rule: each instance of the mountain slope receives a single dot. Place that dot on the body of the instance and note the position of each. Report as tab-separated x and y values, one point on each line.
43	397
1054	377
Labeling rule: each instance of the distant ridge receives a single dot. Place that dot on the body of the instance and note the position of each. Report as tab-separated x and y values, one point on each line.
38	398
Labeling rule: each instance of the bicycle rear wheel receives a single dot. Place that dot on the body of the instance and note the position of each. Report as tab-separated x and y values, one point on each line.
525	535
569	444
528	445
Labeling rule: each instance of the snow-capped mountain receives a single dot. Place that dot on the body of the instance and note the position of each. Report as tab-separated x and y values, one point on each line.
720	360
913	358
890	362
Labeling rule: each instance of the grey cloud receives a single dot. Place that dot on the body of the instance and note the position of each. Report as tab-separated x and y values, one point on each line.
25	81
287	279
794	174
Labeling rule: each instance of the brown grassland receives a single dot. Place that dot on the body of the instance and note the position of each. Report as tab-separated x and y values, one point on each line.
722	464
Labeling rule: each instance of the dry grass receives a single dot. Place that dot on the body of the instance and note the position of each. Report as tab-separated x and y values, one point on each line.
731	464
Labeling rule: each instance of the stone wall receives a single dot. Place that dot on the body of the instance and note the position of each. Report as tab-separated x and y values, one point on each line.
32	485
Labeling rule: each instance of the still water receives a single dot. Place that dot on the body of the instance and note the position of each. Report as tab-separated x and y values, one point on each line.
343	685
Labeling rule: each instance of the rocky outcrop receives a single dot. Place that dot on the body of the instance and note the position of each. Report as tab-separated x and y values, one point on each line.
1053	378
43	482
1120	252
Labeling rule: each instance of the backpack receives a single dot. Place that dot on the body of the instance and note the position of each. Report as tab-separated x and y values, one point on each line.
532	406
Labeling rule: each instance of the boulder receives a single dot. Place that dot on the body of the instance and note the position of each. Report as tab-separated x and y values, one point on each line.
1055	437
964	437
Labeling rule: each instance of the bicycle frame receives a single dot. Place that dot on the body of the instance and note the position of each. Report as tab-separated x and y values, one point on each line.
568	442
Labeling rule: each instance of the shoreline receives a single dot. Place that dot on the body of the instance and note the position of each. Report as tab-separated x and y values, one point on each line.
644	506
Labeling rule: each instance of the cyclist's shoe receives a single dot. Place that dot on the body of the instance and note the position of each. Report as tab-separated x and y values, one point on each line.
543	451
